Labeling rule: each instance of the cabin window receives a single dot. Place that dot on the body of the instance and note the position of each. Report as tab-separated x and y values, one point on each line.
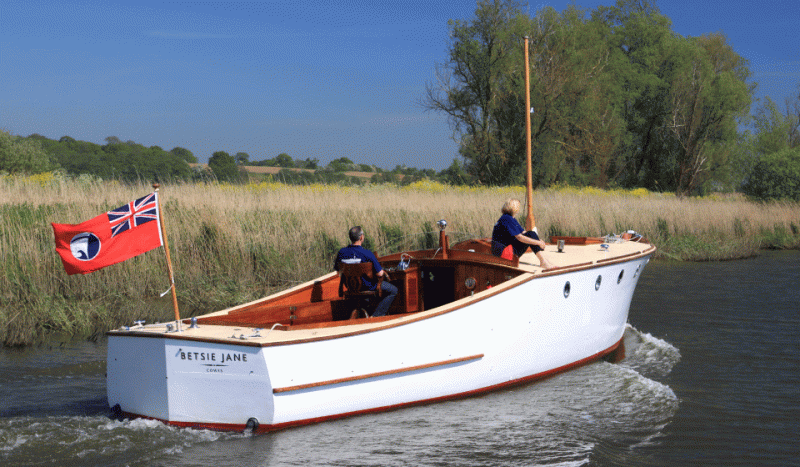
566	290
621	273
597	282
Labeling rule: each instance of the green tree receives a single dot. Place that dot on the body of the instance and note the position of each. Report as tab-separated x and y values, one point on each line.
135	162
776	131
184	154
639	38
284	160
473	87
165	166
710	96
77	157
776	176
455	174
385	177
793	113
576	126
242	158
760	154
224	167
682	99
22	155
309	163
342	164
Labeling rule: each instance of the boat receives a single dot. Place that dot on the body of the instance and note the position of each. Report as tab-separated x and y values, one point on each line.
464	323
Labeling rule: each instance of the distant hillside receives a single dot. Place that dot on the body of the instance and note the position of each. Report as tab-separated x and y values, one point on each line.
258	169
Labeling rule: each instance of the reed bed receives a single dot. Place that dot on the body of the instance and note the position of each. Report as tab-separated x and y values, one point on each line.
233	243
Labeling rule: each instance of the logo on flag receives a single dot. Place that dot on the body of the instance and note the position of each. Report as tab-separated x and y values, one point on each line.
110	238
85	246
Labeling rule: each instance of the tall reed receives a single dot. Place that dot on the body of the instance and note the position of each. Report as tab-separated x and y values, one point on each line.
230	244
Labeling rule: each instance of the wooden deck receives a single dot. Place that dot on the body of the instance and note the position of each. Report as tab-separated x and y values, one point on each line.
314	311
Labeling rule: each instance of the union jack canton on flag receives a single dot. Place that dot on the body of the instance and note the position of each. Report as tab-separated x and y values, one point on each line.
133	214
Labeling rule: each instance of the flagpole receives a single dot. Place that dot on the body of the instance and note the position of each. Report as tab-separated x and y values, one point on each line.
169	262
530	221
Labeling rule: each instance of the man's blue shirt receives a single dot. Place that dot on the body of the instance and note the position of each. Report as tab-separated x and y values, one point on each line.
354	254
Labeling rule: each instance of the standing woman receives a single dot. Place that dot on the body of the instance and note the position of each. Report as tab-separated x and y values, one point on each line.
510	239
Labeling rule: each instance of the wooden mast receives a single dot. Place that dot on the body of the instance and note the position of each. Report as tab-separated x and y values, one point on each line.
169	262
530	222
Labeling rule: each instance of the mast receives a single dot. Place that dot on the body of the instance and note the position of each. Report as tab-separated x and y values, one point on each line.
169	263
530	222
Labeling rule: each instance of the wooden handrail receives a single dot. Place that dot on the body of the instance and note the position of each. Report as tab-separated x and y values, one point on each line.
375	375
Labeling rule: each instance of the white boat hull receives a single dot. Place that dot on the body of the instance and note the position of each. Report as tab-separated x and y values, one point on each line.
526	329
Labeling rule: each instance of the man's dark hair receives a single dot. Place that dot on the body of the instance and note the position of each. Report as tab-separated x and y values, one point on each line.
355	233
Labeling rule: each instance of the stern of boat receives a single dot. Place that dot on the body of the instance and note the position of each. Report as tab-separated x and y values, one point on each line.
136	376
189	383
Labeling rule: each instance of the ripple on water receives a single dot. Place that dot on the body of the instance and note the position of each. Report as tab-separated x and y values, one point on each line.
51	440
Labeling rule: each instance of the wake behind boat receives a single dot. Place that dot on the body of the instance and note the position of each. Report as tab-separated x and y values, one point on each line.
464	323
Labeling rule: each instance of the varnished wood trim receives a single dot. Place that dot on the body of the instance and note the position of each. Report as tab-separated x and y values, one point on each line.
606	260
626	258
575	240
183	337
570	267
375	375
394	320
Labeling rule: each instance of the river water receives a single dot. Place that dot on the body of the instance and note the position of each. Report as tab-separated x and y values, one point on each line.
712	377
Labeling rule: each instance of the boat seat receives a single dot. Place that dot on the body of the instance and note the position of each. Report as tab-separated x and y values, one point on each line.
351	287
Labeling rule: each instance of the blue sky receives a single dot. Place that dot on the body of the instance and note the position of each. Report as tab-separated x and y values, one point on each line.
313	79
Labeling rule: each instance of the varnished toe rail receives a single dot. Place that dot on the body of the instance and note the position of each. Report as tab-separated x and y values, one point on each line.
378	374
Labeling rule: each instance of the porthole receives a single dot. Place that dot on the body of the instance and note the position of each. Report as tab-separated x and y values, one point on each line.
470	283
566	290
597	282
621	273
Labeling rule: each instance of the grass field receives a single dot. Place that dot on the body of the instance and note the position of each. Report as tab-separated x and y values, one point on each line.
235	243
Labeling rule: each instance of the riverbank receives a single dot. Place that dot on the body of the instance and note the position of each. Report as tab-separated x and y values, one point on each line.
231	244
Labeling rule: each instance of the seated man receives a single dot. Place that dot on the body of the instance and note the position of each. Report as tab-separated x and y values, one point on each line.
354	254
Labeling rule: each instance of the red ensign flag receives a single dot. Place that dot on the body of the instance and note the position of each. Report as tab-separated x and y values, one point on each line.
110	238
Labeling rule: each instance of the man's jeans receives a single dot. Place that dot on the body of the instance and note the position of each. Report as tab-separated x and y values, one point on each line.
388	292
